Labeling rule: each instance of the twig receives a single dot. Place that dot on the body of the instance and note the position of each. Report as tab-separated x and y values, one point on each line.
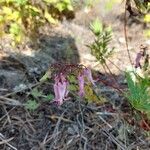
55	132
23	89
4	141
114	65
105	122
115	140
10	101
6	114
58	117
125	31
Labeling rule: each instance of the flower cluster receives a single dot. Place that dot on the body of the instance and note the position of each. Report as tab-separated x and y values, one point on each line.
61	85
60	89
86	73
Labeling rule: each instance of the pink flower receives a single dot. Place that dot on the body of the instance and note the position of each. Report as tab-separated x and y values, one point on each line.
138	59
60	89
88	74
81	85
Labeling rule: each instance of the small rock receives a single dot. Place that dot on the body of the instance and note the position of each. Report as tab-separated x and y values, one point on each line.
121	40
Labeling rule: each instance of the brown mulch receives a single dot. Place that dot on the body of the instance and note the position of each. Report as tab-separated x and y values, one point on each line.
76	125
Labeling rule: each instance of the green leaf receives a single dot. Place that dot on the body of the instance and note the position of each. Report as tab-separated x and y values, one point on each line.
46	76
72	79
72	87
1	18
60	6
51	1
49	18
7	10
21	2
147	18
96	26
139	94
31	105
109	4
49	97
15	29
36	93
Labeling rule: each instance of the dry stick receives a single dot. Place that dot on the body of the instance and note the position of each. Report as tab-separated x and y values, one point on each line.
146	124
109	84
105	83
105	122
110	72
42	144
10	101
4	141
125	31
8	117
58	117
115	140
26	88
6	114
55	132
83	125
115	65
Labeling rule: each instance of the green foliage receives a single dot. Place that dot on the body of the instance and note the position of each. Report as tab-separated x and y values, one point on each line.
147	21
39	94
31	105
99	48
46	76
90	95
90	3
139	92
142	5
49	97
21	18
96	27
147	18
110	3
36	93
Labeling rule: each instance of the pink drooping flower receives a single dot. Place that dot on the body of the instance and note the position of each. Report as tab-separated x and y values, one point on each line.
138	59
88	74
60	89
81	85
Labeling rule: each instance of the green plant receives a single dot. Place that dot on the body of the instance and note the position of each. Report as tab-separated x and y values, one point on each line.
139	92
31	105
110	3
39	94
36	93
142	5
20	18
99	48
90	95
147	21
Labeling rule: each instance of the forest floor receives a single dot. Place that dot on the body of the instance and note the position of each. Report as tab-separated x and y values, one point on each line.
77	124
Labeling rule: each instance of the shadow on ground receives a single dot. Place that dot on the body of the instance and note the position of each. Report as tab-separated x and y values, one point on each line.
18	67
